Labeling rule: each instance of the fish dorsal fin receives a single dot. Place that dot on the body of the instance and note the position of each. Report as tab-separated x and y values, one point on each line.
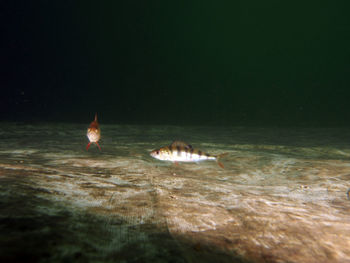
181	144
96	116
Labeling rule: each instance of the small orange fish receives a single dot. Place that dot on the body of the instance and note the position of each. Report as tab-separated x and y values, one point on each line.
94	133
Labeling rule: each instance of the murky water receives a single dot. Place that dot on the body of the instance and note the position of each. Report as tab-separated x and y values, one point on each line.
281	197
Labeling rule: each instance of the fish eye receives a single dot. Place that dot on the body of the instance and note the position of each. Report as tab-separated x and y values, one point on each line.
157	152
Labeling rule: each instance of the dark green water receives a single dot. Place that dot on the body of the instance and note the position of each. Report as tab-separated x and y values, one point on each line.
242	63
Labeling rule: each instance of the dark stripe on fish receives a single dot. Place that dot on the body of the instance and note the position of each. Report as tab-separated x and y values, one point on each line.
178	148
191	152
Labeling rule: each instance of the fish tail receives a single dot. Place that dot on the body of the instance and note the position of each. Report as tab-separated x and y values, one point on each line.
218	157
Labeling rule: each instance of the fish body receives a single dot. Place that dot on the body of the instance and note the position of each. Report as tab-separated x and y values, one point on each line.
94	133
182	152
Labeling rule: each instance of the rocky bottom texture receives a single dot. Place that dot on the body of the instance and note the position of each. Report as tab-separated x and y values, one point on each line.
280	198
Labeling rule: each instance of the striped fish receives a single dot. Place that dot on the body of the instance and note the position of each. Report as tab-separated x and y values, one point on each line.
182	152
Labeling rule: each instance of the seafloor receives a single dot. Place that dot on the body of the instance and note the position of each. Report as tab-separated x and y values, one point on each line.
281	197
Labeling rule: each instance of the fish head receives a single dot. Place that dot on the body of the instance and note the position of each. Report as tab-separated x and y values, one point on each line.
161	154
94	134
155	153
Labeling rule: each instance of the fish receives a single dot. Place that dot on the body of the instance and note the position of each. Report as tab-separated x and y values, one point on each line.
179	151
94	133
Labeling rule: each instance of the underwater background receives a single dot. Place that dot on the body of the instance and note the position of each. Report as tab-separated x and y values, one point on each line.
265	84
189	62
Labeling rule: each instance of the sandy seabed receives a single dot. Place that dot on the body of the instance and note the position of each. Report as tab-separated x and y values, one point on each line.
281	197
